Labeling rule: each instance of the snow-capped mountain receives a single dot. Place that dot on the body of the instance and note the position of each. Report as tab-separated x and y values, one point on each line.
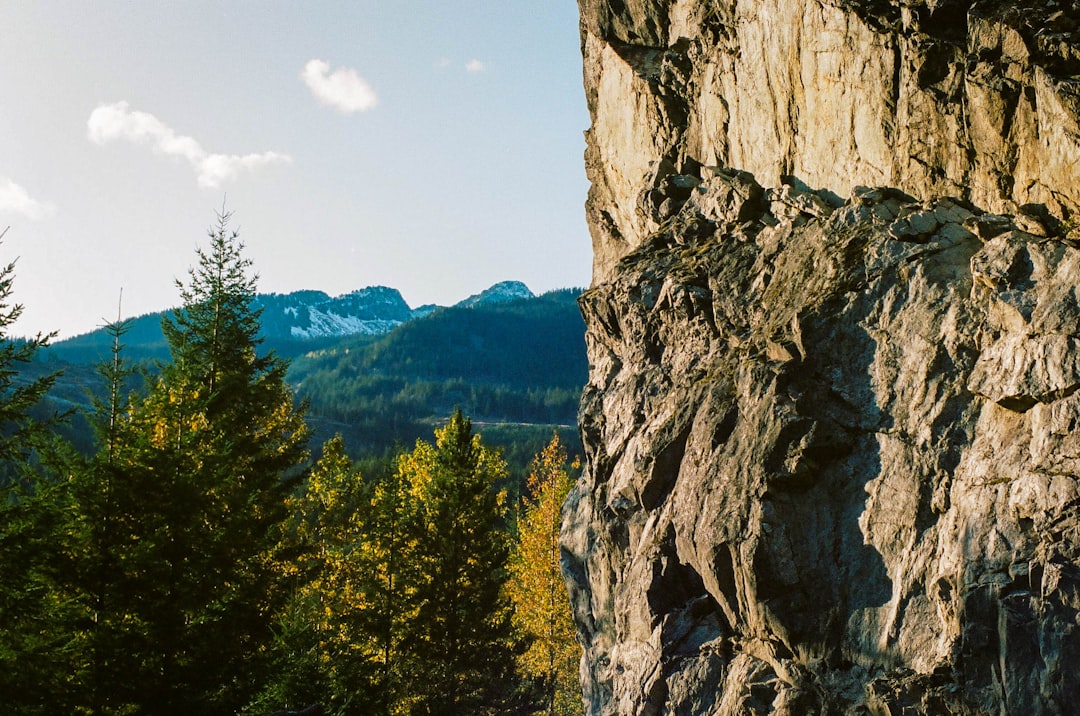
375	310
499	293
290	320
313	314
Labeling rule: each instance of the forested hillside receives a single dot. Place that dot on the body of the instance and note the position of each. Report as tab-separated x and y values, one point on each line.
190	554
517	367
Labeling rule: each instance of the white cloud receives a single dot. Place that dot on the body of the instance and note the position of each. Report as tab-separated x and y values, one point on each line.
341	89
16	200
475	66
110	122
218	168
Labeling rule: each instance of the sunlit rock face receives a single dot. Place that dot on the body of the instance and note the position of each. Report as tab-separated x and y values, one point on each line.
832	431
977	100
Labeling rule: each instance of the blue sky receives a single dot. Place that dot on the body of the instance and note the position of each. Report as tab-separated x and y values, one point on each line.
430	146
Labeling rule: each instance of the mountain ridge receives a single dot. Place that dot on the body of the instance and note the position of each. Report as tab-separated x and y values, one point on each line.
290	320
516	366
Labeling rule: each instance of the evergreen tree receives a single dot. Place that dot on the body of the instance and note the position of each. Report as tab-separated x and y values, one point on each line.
346	558
207	460
388	578
457	645
326	628
538	591
37	616
102	498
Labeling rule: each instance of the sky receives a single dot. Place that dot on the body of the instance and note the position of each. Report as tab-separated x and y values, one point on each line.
430	146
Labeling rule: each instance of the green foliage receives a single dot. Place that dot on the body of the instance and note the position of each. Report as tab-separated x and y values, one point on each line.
219	437
20	433
36	659
338	633
516	367
187	561
397	581
458	645
181	508
517	362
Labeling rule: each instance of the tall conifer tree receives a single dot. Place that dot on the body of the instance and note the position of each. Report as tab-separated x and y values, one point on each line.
215	448
102	502
537	588
341	628
36	656
459	641
345	558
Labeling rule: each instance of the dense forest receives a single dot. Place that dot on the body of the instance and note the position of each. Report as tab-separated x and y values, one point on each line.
195	555
515	367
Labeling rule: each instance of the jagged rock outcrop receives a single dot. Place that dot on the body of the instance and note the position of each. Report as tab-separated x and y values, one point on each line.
978	100
832	433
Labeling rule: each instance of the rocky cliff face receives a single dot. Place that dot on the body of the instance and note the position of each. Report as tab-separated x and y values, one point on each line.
832	432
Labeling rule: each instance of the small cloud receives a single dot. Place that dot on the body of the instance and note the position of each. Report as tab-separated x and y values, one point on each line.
341	89
475	66
110	122
218	168
443	62
16	200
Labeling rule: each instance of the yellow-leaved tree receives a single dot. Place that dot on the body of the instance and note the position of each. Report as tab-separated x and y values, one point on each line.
536	586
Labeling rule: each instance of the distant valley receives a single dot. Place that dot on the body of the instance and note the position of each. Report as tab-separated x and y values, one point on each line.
382	373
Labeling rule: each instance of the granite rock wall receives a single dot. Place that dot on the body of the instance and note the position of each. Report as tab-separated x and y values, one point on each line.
833	420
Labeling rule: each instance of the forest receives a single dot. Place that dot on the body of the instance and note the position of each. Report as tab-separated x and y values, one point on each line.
203	554
515	367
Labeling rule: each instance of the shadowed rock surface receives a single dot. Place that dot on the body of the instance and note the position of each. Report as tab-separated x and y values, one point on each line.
832	432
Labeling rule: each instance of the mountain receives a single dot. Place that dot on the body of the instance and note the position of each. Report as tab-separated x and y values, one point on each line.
292	323
499	293
312	314
832	422
383	375
511	361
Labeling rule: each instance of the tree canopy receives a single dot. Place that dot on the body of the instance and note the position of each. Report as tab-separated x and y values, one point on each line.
196	561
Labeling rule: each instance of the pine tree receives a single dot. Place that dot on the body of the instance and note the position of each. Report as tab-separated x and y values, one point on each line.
386	579
210	456
458	643
541	606
102	499
20	432
36	657
346	559
326	628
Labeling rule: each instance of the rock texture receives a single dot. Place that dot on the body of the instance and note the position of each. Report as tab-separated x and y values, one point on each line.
978	100
832	433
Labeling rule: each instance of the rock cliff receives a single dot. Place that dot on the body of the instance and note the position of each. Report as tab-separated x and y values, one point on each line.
833	418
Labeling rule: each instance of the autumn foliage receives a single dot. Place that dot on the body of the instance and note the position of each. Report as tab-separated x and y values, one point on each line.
536	587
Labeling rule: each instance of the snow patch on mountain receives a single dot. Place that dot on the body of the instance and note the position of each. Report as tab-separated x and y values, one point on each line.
373	311
499	293
331	324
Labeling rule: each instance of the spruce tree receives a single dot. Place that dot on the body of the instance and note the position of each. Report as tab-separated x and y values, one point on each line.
458	642
102	502
36	655
325	638
345	561
214	450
